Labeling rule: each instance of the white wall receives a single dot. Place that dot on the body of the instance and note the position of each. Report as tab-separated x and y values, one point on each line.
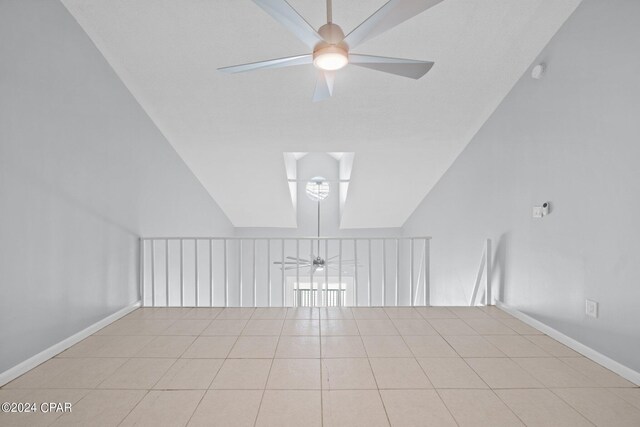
572	139
83	173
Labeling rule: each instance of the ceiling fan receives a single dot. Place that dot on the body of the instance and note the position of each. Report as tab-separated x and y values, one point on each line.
331	49
317	190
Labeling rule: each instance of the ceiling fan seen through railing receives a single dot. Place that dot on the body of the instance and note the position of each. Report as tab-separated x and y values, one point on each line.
317	190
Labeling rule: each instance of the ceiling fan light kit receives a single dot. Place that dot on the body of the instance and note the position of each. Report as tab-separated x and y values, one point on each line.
331	48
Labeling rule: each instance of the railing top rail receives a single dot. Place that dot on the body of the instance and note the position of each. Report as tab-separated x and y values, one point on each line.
287	238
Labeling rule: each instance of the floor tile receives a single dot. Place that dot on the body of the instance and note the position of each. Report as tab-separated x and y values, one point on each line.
386	346
402	313
369	313
496	312
303	313
478	408
225	327
452	327
270	313
189	374
429	346
469	312
126	326
186	327
203	313
450	373
301	327
520	327
107	346
489	327
435	313
516	346
337	327
223	408
263	327
553	372
631	395
500	372
68	373
254	347
392	373
159	313
376	327
597	373
166	346
347	374
101	408
540	407
242	374
350	346
552	346
139	373
214	347
407	408
38	418
298	347
282	408
600	406
164	408
473	346
336	313
236	313
353	408
414	327
294	374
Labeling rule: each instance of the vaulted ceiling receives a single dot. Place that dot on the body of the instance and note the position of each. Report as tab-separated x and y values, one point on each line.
232	130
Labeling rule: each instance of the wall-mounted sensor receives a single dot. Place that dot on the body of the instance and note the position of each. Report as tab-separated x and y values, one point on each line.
537	72
546	208
540	211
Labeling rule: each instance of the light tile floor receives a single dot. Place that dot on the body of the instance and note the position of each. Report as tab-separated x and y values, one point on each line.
433	366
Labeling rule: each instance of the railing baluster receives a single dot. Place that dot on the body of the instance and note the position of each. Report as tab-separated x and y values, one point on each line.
153	273
369	274
355	271
384	272
410	272
340	266
181	273
166	271
297	302
141	266
426	297
283	277
211	272
197	278
226	277
269	270
326	271
240	270
253	268
397	270
311	266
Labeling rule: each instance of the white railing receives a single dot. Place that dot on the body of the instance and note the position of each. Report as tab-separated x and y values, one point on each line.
280	272
484	270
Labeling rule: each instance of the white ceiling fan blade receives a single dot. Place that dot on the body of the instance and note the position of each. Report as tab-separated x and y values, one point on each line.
298	259
324	85
289	61
388	16
286	15
402	67
301	266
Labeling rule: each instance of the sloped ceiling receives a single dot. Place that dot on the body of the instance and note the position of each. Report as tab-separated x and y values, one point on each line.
232	130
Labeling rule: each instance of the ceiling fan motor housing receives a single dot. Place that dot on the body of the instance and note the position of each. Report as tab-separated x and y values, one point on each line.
333	52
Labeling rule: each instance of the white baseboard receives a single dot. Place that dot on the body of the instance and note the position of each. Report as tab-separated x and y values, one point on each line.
13	373
620	369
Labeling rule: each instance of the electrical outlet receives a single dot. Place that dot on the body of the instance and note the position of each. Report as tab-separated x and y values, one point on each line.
591	309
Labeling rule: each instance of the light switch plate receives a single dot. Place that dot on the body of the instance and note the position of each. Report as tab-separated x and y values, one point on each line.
591	309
